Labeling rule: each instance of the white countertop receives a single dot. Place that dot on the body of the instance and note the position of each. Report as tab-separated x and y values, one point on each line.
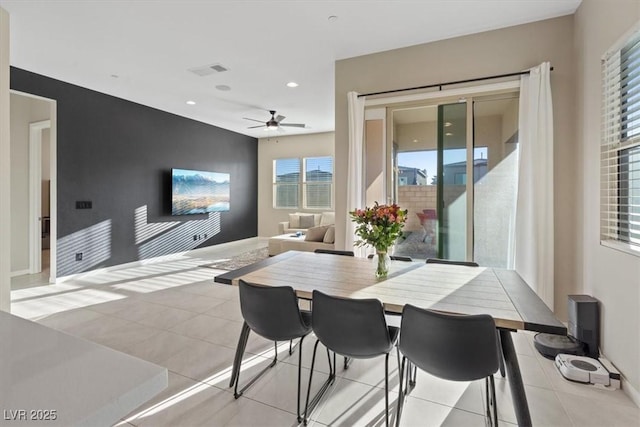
45	373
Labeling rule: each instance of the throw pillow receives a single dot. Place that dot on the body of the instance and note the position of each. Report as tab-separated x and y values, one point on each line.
306	221
316	234
330	235
294	221
328	218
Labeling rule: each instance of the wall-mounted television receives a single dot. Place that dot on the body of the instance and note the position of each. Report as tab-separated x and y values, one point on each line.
199	192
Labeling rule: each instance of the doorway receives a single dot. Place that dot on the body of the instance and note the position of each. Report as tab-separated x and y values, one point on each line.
456	174
33	190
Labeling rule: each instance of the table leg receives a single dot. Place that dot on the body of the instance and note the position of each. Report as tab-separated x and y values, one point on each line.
242	343
515	379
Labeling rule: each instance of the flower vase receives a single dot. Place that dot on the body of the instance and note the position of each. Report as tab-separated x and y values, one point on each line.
383	263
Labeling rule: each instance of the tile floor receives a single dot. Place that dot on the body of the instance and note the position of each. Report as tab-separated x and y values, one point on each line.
173	314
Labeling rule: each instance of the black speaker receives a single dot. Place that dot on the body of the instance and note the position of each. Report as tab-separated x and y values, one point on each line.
584	322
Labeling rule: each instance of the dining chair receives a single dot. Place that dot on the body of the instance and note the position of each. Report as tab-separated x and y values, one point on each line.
471	264
333	252
354	328
272	313
451	347
394	257
451	262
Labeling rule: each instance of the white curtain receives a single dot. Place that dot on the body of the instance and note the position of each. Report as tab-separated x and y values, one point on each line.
534	207
355	174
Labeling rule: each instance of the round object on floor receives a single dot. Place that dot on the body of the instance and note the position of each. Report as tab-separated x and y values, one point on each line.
550	345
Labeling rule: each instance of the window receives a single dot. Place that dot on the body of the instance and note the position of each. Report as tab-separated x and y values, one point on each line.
286	183
620	151
318	182
314	187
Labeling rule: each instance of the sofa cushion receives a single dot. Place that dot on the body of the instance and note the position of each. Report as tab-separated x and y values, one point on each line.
316	234
328	218
330	235
307	221
294	220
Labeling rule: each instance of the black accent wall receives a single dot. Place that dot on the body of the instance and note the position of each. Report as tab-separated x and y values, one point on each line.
118	155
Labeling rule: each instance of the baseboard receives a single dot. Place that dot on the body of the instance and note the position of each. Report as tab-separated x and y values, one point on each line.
19	273
163	258
631	391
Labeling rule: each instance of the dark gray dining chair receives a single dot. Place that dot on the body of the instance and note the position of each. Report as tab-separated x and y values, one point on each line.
451	347
354	328
472	264
334	252
272	313
395	258
451	262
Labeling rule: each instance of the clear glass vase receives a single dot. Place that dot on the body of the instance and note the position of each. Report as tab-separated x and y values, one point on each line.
383	262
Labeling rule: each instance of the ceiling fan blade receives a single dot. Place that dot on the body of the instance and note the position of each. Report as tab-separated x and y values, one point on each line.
293	125
253	120
254	127
279	118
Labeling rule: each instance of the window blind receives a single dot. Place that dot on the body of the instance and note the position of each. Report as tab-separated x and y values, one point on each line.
318	182
286	181
620	148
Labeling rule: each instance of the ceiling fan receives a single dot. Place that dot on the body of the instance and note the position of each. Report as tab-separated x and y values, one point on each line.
274	122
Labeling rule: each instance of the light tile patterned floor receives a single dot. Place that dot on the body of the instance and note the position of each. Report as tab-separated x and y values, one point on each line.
173	314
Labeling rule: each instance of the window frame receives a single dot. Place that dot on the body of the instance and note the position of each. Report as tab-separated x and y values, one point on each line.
302	184
620	144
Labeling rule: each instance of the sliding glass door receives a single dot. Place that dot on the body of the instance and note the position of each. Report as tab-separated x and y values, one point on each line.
455	165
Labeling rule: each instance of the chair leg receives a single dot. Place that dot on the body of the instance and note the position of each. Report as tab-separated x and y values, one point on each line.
237	393
290	347
401	392
346	362
386	390
299	375
242	344
310	405
492	407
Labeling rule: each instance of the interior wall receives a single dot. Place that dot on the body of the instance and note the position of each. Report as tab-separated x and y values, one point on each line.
611	276
5	167
493	52
24	110
279	147
118	155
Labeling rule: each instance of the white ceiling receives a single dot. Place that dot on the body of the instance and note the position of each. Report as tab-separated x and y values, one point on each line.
141	50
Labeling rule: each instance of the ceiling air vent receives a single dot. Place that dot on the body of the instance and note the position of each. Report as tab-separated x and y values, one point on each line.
207	70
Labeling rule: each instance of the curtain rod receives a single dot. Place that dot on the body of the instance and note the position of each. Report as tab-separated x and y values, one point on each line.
439	85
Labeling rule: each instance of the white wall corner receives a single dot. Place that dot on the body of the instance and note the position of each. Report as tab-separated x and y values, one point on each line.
630	391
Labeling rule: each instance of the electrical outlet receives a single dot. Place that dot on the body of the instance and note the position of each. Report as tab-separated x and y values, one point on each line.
205	235
195	237
84	204
78	256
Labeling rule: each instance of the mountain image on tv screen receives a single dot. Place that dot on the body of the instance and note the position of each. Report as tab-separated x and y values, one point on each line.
198	192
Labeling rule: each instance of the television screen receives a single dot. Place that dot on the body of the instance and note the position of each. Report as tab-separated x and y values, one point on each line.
198	192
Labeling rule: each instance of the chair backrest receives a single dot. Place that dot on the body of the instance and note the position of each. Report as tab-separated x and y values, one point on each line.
272	312
394	257
453	347
448	261
350	327
333	252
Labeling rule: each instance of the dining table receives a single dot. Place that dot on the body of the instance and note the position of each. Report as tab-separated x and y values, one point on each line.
455	289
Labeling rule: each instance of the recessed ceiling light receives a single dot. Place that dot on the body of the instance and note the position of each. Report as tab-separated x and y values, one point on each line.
223	88
447	124
332	18
115	76
415	140
191	102
292	84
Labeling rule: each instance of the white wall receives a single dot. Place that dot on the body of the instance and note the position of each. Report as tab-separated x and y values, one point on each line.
24	110
269	149
5	166
611	276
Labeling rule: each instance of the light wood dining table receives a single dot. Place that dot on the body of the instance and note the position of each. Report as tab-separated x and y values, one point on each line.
453	289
